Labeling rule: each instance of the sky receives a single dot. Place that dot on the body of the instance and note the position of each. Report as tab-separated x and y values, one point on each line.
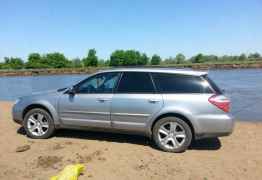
164	27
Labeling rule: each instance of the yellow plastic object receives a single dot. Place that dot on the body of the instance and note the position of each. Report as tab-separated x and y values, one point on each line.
70	172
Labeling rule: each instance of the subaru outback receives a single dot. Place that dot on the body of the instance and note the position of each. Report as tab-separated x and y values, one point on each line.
173	107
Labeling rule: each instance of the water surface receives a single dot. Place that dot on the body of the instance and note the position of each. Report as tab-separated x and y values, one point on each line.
243	86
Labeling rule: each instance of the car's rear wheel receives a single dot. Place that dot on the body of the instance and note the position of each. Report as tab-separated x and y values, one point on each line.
172	134
38	124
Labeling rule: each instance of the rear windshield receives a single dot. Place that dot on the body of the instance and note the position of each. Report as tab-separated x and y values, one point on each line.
213	85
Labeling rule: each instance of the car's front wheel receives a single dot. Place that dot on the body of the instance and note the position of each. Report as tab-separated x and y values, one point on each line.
38	124
172	134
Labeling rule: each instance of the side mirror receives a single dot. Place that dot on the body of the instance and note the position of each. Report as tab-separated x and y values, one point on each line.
71	91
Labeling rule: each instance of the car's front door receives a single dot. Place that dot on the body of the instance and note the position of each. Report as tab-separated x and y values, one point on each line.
135	101
91	103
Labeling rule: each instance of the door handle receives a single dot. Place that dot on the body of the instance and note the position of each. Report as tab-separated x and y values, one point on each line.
103	99
153	100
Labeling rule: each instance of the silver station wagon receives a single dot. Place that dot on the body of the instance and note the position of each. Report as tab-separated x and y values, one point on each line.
171	106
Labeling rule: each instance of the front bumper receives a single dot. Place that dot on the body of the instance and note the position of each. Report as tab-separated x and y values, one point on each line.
17	113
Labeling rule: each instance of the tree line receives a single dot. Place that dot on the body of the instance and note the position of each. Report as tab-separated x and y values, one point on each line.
117	58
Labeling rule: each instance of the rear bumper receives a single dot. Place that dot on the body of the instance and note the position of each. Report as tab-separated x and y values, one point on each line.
215	126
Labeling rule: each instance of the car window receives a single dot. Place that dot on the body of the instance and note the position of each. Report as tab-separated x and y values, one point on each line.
101	83
175	83
136	82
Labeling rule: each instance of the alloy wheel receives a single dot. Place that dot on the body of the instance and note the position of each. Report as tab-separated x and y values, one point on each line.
171	135
37	124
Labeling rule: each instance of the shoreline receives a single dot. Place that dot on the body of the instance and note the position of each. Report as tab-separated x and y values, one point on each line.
89	70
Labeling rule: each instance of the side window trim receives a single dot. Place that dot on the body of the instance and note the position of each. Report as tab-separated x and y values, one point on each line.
118	82
212	85
154	84
157	89
209	86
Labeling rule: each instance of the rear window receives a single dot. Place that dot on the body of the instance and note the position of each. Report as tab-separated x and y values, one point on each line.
176	83
213	85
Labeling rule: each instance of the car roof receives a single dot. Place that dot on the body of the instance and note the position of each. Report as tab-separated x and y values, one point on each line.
159	70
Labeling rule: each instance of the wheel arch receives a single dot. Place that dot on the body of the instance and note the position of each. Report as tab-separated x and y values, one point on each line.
46	106
34	106
178	115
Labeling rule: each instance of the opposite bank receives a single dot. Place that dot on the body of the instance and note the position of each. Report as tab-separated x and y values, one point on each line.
88	70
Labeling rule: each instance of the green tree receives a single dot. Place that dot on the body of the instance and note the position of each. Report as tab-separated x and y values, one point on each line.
225	58
142	60
170	60
180	58
199	58
117	58
235	58
55	60
76	63
91	59
127	58
155	60
101	63
34	61
242	57
13	63
131	57
254	55
210	58
107	62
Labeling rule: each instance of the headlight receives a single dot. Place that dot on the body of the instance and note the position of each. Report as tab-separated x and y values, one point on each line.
16	101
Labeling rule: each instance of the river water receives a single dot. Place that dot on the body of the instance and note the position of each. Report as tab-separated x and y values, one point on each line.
243	86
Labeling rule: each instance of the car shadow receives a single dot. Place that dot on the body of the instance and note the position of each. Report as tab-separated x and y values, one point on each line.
103	136
203	144
206	144
21	131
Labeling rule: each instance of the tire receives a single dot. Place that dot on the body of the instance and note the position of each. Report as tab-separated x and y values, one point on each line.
176	140
33	124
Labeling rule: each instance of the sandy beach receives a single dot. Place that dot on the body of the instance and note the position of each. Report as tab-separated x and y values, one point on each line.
114	156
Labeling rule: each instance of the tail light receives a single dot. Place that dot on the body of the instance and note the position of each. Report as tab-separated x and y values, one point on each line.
221	102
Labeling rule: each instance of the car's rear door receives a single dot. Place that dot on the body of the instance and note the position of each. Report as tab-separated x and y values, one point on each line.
135	101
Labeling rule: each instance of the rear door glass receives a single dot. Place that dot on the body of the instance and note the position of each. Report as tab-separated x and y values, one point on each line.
136	82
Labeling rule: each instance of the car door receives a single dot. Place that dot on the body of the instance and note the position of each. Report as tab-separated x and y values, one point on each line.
91	103
135	101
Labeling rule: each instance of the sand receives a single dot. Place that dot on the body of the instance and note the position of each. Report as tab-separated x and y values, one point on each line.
113	156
